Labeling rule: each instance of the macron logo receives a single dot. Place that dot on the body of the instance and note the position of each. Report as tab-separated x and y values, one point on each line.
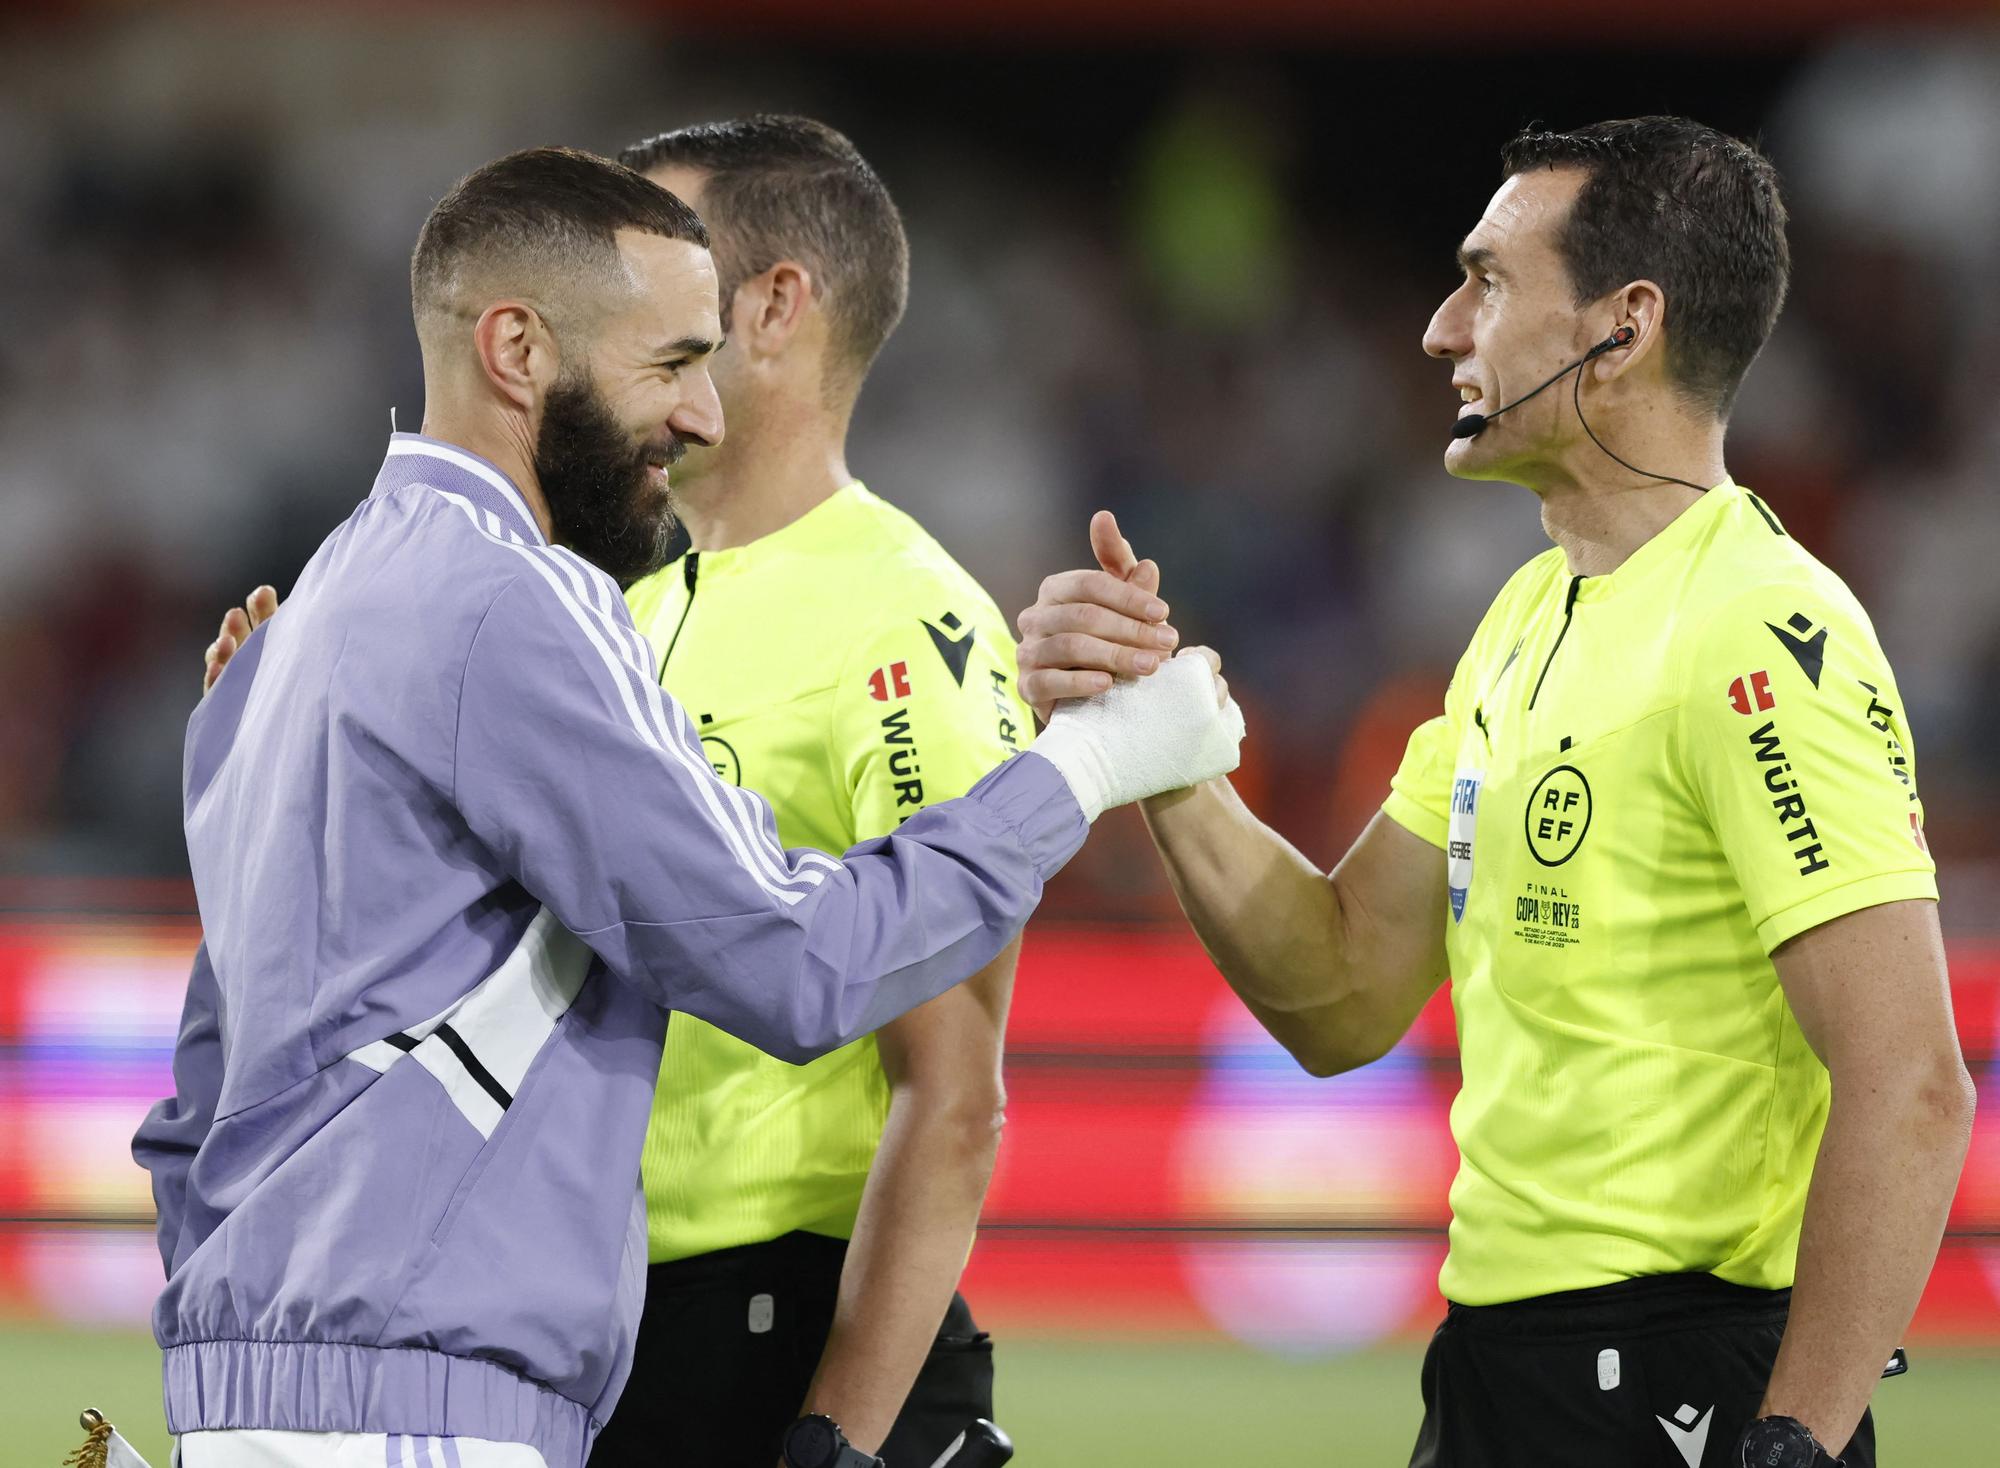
1689	1432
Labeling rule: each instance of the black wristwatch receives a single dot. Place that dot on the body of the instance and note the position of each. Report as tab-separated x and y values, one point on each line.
1782	1442
816	1441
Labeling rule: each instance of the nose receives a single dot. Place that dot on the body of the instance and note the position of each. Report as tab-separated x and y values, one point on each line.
1449	336
698	416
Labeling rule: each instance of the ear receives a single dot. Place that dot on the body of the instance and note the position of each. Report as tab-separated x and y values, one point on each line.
517	352
770	309
1642	305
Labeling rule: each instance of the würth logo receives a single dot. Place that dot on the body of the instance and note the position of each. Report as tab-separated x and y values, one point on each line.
1752	695
890	682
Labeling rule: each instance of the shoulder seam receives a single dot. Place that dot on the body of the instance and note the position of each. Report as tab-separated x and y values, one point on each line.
1769	519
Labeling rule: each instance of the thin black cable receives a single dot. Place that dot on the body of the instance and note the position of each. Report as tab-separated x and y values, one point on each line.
1577	399
1531	396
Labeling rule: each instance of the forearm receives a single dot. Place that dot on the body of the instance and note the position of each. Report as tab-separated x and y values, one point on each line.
1267	916
1274	925
1881	1188
910	1243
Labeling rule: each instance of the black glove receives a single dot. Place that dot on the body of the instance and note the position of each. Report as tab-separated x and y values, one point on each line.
1781	1442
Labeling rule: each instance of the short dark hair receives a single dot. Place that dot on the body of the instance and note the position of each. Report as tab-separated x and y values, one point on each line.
788	188
539	221
1669	200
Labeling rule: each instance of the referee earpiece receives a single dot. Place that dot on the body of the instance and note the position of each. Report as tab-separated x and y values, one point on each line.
1624	336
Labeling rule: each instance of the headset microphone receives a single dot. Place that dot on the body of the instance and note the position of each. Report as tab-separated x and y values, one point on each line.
1473	424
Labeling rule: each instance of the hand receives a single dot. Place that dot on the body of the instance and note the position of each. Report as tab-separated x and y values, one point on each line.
1144	737
237	624
1087	626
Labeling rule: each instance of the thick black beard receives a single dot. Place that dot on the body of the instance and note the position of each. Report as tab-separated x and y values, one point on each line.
601	503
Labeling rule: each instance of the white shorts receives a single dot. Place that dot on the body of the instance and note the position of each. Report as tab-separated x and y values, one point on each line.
256	1449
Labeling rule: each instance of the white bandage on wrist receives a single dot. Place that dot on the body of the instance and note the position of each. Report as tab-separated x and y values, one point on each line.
1144	736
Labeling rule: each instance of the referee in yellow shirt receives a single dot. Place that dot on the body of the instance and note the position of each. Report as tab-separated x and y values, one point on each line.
808	1224
1666	841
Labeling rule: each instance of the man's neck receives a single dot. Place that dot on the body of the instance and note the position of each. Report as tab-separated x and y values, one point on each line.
503	444
767	482
1600	513
1598	531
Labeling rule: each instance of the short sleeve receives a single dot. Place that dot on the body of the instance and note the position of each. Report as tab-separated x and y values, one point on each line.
926	708
1794	739
1420	791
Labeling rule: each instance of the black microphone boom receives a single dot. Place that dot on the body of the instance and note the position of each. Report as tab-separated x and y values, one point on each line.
1473	424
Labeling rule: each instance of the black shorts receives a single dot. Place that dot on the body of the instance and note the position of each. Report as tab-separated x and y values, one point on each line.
1649	1373
728	1345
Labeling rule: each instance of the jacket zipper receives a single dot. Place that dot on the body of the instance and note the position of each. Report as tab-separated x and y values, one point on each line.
690	569
1569	606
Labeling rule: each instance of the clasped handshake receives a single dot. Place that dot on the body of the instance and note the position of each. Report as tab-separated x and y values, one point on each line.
1127	717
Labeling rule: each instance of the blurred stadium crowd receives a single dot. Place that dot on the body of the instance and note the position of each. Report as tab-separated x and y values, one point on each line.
1188	290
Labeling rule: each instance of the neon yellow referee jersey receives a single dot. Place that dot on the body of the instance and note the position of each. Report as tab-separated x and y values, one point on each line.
846	669
1643	783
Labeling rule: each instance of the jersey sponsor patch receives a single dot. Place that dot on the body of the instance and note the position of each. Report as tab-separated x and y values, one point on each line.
1803	643
890	681
1459	838
905	766
1787	800
1751	694
1558	815
1007	728
1878	715
954	646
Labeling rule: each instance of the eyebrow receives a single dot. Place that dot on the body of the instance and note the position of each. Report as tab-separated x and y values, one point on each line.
1475	257
688	346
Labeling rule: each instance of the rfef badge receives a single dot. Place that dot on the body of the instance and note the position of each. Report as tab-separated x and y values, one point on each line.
1458	838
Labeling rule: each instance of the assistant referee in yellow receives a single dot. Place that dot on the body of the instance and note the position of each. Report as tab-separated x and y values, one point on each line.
1665	839
808	1224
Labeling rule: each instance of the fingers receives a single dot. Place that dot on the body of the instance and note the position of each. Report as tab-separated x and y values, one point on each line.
1044	688
237	625
1113	551
1214	660
1104	589
1114	554
1078	652
1208	655
1076	665
216	659
1088	626
1043	621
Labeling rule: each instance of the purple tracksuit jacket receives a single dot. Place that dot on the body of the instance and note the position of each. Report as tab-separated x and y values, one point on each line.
456	855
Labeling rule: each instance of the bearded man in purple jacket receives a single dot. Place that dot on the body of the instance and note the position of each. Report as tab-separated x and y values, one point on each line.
456	855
